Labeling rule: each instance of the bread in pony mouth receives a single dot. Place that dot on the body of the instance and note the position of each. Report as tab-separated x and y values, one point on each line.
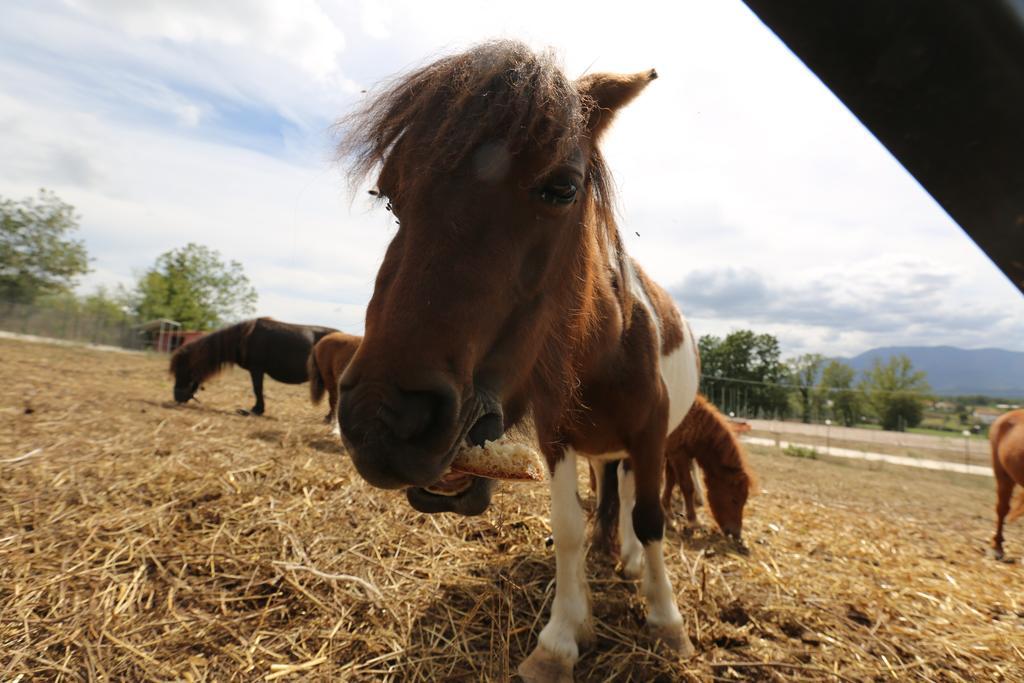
504	458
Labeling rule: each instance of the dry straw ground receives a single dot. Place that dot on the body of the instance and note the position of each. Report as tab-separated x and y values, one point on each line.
142	541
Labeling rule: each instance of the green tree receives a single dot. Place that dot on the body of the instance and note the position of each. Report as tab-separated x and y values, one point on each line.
895	392
194	287
106	305
744	370
804	376
837	386
37	256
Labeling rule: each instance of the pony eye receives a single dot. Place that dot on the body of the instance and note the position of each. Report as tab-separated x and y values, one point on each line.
559	194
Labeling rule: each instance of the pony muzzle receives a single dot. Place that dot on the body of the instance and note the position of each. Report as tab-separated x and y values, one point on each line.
184	394
399	438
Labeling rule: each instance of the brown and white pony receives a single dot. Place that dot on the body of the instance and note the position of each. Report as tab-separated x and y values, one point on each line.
506	290
1006	436
328	359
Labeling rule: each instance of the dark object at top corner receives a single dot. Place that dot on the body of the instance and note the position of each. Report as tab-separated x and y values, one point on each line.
940	83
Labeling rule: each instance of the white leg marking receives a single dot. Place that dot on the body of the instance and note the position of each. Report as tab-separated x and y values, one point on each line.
598	469
630	550
570	611
662	610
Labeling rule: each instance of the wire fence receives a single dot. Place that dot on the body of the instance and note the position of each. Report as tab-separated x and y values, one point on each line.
775	413
68	320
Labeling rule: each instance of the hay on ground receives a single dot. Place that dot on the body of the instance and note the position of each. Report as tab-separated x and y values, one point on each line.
144	541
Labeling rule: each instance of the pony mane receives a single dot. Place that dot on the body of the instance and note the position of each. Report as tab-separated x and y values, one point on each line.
206	356
717	436
427	123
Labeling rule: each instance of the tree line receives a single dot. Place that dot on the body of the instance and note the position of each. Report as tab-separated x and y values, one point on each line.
746	369
41	263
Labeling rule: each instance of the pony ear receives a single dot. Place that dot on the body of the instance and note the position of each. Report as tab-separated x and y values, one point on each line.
610	92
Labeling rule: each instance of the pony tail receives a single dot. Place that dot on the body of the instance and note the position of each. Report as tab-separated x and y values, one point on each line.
316	380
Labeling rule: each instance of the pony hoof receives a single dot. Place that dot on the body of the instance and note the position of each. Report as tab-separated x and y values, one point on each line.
674	637
543	666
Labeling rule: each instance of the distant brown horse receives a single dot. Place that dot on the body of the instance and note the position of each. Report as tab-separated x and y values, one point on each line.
506	290
709	438
1006	435
328	359
261	346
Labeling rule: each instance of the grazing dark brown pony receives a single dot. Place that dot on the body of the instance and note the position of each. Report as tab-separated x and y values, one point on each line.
506	290
261	346
709	438
1006	435
328	359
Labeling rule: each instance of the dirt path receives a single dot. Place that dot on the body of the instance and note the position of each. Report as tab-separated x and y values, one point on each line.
922	442
902	460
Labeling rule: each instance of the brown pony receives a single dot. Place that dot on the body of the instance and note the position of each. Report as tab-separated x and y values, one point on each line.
1006	435
328	359
709	438
506	291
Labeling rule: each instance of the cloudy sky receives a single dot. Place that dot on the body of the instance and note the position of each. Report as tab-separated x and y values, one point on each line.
745	187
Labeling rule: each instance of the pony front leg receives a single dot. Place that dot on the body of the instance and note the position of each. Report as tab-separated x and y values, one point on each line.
691	492
648	525
332	407
630	548
257	388
557	647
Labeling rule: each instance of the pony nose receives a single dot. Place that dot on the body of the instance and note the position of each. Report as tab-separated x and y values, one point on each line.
400	416
410	414
398	437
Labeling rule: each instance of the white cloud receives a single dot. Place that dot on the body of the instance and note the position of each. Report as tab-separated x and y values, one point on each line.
296	31
377	18
189	115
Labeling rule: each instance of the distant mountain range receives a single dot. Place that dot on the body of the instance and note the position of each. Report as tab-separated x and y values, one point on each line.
952	371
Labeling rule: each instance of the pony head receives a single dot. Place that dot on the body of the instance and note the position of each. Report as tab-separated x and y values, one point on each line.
186	381
489	160
727	490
